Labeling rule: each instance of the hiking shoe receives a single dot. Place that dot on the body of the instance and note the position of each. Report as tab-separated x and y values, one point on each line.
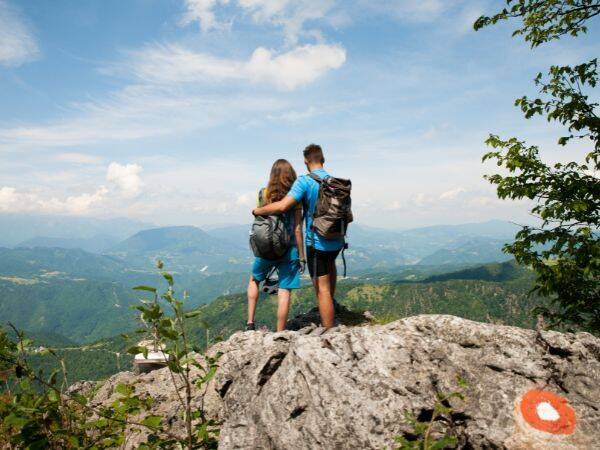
250	327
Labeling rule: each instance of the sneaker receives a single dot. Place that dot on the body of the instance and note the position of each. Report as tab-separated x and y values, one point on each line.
250	327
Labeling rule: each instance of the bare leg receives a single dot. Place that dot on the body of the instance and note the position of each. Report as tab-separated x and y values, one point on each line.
283	306
326	310
252	299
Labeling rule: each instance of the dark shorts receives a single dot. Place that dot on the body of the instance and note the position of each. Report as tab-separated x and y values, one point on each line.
321	260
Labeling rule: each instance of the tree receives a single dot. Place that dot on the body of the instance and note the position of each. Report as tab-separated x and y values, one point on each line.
564	250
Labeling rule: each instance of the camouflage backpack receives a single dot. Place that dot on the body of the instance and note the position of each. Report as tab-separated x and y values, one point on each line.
333	212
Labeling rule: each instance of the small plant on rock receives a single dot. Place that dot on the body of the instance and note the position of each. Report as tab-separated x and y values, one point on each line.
421	436
185	369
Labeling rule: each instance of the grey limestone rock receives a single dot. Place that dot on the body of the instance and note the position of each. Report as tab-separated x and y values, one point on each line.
350	387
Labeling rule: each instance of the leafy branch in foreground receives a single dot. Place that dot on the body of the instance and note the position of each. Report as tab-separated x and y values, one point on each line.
38	412
564	250
170	337
421	435
545	20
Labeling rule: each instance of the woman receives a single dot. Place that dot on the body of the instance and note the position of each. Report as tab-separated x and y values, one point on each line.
281	180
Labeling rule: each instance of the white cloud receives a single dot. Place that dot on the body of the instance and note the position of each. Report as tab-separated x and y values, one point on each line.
9	197
78	158
126	178
201	11
290	15
135	112
80	204
14	201
247	199
452	193
287	71
17	44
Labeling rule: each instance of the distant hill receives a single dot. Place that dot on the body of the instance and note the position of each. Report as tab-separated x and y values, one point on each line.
505	271
475	251
96	244
237	235
183	248
58	262
44	338
378	248
492	228
18	228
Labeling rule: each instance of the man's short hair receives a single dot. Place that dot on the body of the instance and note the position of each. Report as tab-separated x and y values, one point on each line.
313	153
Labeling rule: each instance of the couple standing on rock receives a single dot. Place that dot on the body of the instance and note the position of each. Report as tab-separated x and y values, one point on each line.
278	241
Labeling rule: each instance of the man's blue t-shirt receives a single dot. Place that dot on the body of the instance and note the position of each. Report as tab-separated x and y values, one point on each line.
306	191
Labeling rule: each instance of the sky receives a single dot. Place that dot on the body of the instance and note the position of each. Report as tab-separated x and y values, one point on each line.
172	111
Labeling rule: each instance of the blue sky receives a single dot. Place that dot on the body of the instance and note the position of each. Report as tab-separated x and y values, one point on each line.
172	111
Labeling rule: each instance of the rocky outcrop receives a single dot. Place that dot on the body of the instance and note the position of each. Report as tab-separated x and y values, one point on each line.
350	387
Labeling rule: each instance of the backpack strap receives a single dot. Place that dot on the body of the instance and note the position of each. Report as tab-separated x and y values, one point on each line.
344	256
315	177
318	179
261	197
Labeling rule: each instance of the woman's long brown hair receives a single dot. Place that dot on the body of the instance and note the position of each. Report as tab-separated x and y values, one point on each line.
282	177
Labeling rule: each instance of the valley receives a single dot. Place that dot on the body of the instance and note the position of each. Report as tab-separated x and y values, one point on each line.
79	302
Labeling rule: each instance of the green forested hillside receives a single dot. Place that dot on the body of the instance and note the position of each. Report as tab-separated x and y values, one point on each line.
491	293
489	272
95	244
83	311
474	251
56	293
486	300
23	262
91	362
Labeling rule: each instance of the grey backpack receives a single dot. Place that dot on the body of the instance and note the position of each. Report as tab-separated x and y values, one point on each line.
270	237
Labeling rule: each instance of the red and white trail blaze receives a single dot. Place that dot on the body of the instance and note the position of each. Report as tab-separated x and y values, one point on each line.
548	412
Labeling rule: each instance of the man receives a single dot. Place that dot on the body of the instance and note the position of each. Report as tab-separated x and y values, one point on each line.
321	252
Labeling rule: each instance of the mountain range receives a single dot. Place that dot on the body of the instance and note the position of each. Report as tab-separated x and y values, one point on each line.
225	248
182	248
77	286
20	228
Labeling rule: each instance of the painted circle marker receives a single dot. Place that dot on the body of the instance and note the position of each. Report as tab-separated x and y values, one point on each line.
548	412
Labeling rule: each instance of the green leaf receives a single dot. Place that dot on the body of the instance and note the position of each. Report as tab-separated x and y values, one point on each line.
152	421
124	389
145	288
80	399
15	421
167	276
53	396
444	442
